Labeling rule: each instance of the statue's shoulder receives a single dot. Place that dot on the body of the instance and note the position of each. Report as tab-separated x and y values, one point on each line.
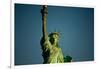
57	48
60	49
43	39
45	42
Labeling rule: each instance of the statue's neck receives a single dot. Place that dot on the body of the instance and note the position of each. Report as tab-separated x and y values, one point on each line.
55	43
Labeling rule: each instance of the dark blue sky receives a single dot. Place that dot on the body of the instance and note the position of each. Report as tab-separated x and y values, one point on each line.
75	24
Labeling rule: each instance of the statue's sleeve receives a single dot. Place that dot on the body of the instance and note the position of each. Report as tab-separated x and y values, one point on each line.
60	56
44	15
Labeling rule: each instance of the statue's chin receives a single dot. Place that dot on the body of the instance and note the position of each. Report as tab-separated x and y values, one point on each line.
54	41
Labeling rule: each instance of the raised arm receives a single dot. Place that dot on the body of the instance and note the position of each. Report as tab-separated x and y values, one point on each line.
44	13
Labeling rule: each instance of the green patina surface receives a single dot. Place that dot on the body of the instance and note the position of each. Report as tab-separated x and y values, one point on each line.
51	51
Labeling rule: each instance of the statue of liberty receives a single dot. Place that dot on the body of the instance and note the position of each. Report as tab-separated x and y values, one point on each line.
52	53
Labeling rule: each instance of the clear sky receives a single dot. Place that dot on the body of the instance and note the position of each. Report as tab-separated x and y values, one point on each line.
75	24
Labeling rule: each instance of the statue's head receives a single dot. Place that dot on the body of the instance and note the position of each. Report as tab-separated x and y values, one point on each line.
54	37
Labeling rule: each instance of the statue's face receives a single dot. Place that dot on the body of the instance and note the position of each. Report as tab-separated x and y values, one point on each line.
55	37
